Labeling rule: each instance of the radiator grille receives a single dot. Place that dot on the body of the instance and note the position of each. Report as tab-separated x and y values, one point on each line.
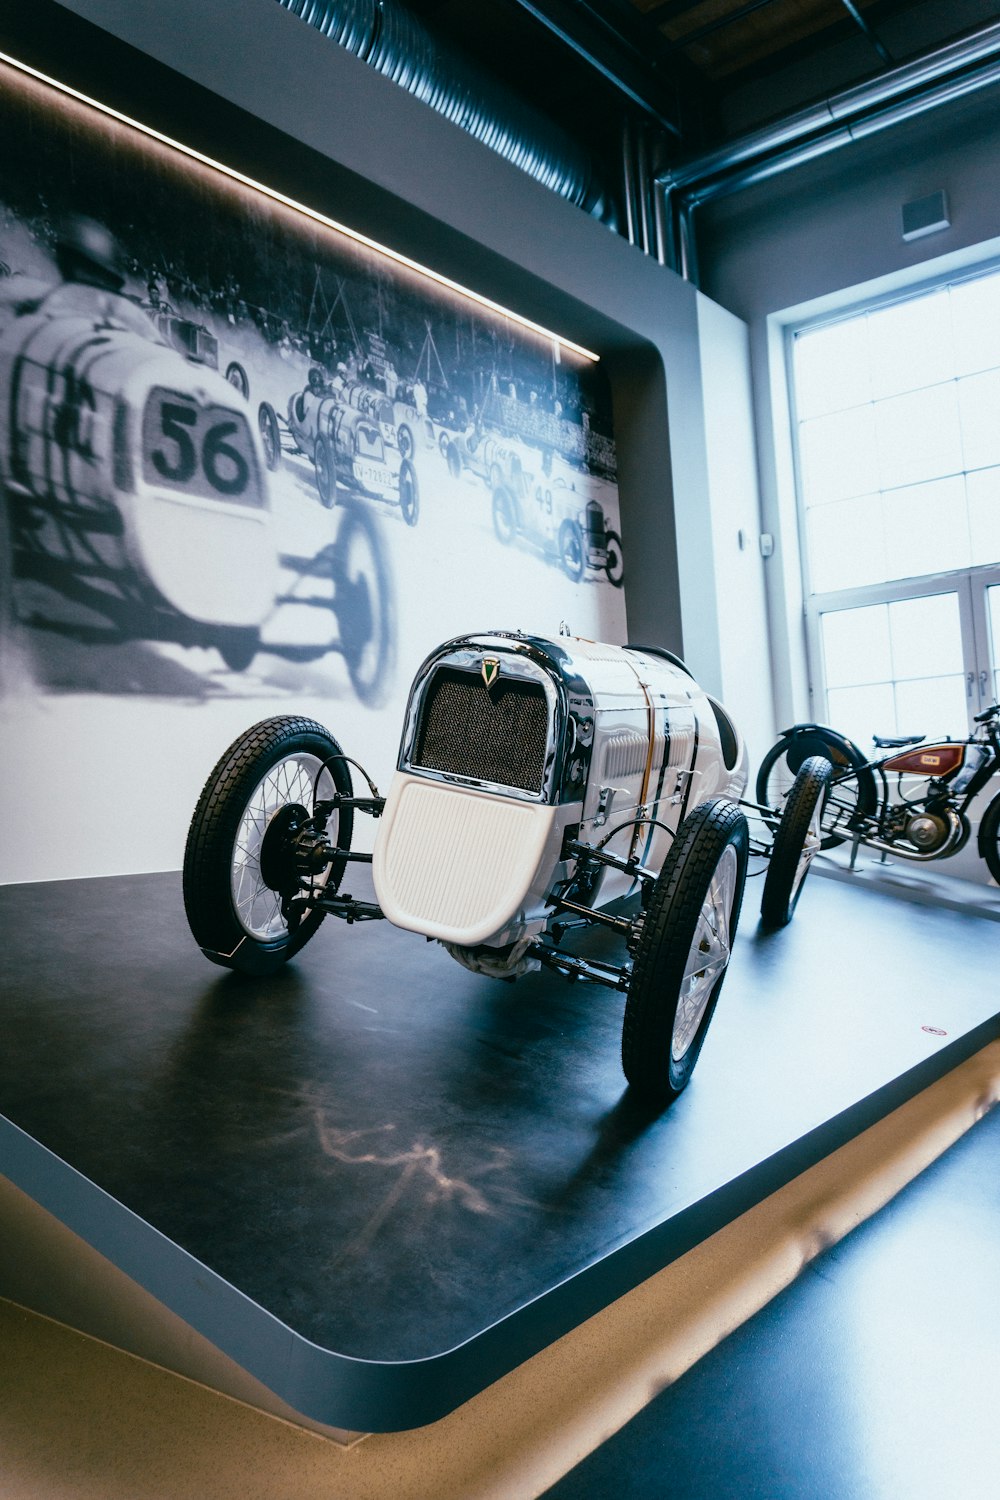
497	735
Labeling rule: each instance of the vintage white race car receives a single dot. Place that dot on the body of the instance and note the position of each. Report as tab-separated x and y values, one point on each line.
538	782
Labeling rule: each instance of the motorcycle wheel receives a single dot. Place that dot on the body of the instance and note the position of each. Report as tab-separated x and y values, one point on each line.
852	791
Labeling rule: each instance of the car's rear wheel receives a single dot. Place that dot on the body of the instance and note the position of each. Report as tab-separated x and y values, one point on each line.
614	567
238	862
270	434
683	951
504	515
797	839
571	550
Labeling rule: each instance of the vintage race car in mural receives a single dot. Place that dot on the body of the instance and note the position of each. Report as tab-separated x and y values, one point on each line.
538	781
553	516
133	484
343	430
544	501
197	343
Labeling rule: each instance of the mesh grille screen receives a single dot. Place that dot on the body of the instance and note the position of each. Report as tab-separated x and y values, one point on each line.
495	736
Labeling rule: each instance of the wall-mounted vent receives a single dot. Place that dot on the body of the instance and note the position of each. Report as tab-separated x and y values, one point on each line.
925	216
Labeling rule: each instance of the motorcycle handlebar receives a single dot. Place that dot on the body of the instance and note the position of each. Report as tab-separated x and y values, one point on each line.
987	713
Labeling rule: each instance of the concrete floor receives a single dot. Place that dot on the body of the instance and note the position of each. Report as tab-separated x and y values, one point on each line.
82	1421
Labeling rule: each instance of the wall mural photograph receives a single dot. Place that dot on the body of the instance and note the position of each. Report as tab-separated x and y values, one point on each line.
245	457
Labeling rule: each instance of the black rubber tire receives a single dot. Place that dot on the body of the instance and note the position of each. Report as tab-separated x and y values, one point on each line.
504	516
216	829
853	786
326	472
571	553
785	876
615	566
409	493
270	434
453	459
404	437
364	601
669	930
989	838
238	378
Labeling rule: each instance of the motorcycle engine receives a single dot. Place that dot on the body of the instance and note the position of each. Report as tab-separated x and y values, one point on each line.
926	831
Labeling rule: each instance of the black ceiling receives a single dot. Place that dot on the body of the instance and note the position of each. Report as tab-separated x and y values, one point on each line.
701	71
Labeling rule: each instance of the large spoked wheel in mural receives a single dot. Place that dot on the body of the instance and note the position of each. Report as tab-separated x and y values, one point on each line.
363	601
409	493
571	550
238	863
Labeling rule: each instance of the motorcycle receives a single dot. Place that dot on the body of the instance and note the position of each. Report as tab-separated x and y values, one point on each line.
912	801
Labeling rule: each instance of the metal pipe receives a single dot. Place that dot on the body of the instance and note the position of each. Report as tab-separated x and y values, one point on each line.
628	181
643	188
898	95
391	40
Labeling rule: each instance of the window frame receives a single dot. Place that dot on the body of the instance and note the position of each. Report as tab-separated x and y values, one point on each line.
970	584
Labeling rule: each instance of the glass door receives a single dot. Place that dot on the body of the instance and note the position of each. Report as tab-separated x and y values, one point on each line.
983	679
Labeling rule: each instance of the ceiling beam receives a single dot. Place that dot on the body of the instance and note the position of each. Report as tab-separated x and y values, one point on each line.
637	64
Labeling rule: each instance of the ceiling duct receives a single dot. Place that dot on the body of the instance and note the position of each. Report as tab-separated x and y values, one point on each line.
390	39
939	77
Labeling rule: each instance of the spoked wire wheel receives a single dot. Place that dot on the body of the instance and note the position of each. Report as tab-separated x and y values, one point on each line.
797	840
684	950
239	860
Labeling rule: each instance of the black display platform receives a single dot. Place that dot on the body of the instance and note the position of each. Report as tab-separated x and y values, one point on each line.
377	1181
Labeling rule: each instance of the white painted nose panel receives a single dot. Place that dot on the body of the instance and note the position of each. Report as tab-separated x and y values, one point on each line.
454	863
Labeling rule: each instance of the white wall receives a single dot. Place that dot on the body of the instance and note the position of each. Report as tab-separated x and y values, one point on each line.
311	120
734	516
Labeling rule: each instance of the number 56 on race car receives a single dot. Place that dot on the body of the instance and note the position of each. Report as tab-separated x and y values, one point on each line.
135	479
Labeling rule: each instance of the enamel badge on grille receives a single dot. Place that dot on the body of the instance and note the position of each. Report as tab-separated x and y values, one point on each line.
491	671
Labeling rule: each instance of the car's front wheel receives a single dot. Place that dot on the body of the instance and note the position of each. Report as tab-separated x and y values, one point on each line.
239	859
326	472
683	951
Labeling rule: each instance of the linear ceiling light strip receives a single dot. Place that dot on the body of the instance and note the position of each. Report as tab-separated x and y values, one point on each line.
302	208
